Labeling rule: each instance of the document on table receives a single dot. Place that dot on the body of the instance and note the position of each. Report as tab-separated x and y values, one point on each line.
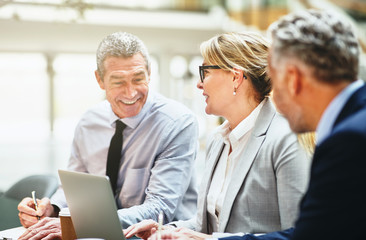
12	233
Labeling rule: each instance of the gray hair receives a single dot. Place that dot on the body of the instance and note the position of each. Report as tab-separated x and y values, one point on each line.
320	40
120	44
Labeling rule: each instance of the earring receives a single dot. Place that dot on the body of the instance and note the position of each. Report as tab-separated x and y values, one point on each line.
234	93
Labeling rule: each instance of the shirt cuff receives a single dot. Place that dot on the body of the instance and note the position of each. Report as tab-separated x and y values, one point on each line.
216	235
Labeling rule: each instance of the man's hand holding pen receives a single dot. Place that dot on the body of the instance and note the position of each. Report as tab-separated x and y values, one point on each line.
28	215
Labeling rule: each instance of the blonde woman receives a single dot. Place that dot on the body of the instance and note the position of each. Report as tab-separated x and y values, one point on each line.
255	171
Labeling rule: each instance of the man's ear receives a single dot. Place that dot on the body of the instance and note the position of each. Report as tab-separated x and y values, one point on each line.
99	80
294	79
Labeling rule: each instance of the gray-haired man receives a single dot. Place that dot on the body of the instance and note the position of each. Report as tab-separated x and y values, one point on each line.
159	144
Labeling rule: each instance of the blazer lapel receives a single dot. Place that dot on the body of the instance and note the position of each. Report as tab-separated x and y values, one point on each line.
206	182
246	160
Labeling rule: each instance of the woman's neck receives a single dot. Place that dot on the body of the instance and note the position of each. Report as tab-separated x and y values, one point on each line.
240	112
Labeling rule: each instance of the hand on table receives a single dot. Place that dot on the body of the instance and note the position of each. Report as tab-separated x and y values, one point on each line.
46	229
143	229
179	234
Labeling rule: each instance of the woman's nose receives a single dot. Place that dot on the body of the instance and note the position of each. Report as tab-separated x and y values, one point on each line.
199	84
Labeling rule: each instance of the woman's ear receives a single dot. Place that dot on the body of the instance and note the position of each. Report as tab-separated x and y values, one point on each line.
238	77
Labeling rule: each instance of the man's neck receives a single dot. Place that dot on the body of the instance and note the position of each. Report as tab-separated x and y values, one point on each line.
334	108
321	96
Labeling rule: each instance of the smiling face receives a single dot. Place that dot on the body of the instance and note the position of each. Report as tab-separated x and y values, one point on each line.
125	82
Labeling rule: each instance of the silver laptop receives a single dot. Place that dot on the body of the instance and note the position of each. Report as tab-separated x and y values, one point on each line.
92	206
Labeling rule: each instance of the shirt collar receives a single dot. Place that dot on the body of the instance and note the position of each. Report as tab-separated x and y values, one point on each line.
134	121
331	113
241	129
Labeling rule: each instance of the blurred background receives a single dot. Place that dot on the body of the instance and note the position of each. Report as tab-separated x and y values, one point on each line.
47	63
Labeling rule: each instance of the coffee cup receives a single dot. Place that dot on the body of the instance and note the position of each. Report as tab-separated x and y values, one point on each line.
67	228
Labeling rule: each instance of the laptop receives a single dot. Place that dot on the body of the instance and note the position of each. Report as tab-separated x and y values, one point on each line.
92	206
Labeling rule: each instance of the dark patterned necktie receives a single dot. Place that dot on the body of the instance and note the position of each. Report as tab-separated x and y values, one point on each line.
114	155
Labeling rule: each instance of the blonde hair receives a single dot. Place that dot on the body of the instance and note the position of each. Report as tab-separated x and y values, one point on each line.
246	51
307	141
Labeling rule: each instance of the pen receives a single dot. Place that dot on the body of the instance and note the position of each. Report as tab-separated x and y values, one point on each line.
35	202
160	224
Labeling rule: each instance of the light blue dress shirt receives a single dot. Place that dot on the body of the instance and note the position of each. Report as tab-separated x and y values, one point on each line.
331	113
158	154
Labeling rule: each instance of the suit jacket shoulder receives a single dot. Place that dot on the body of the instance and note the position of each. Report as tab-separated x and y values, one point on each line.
335	198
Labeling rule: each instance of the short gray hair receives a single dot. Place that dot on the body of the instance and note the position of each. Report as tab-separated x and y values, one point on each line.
320	40
120	44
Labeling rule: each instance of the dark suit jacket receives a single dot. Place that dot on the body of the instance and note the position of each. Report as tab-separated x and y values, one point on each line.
334	206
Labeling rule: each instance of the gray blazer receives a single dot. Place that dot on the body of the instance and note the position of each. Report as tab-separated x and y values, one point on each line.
268	183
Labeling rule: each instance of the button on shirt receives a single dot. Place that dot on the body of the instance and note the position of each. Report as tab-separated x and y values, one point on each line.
158	153
237	139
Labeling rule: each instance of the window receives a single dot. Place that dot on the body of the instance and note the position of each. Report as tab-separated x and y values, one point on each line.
24	125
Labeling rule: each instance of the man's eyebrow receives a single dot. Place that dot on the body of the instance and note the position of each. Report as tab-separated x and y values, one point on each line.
138	73
117	77
122	76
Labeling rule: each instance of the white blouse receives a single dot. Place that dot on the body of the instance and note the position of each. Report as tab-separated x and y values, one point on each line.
237	139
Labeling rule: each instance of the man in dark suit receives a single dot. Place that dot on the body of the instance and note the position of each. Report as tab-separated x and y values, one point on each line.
313	64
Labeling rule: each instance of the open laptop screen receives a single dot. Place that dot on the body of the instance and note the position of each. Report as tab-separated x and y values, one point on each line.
92	206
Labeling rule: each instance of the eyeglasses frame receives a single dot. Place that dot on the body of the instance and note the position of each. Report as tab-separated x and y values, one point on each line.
202	70
203	67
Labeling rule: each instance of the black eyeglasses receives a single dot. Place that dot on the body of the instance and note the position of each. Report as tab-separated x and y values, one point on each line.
202	70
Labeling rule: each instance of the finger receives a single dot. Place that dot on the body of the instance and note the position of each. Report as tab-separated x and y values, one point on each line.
134	230
165	235
27	206
30	232
44	206
130	228
43	234
35	231
22	237
29	229
53	233
127	231
27	220
53	236
140	227
23	222
53	223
